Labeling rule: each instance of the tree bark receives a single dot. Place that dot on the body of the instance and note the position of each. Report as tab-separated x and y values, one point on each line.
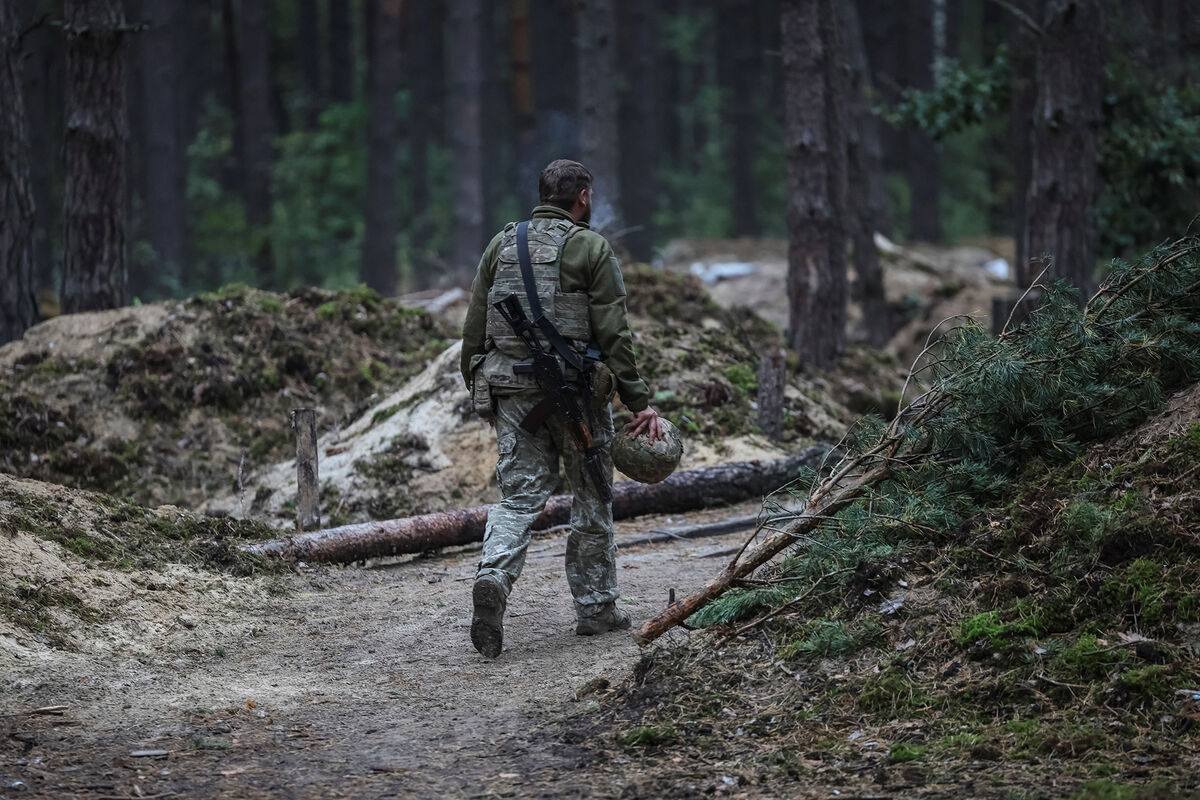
816	175
640	109
1022	93
426	74
379	269
881	34
923	163
1060	221
737	72
341	66
308	481
772	382
95	146
18	302
683	491
466	134
164	149
43	84
864	182
520	56
555	77
257	130
599	138
308	56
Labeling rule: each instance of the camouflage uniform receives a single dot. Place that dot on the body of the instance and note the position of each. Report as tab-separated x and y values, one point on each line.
528	465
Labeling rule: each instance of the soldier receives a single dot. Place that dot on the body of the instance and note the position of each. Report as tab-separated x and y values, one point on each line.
571	276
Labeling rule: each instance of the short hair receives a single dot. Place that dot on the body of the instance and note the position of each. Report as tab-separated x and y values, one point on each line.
562	181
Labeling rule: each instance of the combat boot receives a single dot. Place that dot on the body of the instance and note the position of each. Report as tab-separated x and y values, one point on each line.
487	623
610	619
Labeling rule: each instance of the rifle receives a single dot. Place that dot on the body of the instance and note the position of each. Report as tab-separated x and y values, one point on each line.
560	396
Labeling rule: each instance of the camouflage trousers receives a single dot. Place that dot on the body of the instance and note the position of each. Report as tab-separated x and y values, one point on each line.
528	473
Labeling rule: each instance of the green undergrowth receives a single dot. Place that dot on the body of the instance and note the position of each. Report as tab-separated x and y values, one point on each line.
1023	588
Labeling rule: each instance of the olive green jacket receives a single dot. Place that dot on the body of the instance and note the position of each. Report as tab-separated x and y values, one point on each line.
588	265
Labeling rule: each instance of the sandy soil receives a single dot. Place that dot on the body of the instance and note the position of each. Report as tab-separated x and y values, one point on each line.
360	682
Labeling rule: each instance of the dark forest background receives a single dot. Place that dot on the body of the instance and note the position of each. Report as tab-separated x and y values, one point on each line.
288	142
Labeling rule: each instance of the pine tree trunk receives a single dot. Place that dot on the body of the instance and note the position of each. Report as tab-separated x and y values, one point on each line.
816	174
341	66
637	32
254	112
864	182
95	146
164	150
378	269
520	56
555	81
1022	92
426	75
881	34
1066	123
923	163
18	305
599	138
466	133
308	56
737	73
43	84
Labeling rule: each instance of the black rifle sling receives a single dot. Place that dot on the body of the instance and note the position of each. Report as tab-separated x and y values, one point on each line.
535	304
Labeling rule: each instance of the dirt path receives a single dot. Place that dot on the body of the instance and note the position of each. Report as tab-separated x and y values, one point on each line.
361	683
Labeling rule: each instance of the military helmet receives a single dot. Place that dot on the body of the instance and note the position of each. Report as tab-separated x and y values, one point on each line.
646	461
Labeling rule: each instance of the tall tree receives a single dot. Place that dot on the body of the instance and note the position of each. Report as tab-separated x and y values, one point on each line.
378	269
639	115
308	56
555	85
737	72
95	146
923	159
341	65
256	126
520	54
816	181
43	85
426	74
1060	220
164	150
599	137
465	104
18	306
864	173
1022	45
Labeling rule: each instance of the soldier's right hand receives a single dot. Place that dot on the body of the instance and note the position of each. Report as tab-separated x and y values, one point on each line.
646	421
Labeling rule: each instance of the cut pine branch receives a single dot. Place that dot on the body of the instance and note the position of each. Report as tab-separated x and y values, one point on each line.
1064	378
684	491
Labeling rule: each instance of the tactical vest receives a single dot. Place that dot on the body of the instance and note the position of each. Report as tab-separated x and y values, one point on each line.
568	311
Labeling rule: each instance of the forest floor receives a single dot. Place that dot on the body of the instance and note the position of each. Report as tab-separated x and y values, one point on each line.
332	682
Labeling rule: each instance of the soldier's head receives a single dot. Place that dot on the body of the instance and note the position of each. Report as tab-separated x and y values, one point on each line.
568	185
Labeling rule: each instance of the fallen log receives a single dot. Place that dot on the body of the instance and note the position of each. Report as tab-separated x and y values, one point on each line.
684	491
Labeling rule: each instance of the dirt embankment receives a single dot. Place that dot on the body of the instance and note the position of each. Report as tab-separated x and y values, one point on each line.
173	402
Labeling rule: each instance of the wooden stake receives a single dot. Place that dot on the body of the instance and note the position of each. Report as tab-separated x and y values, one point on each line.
308	509
772	377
